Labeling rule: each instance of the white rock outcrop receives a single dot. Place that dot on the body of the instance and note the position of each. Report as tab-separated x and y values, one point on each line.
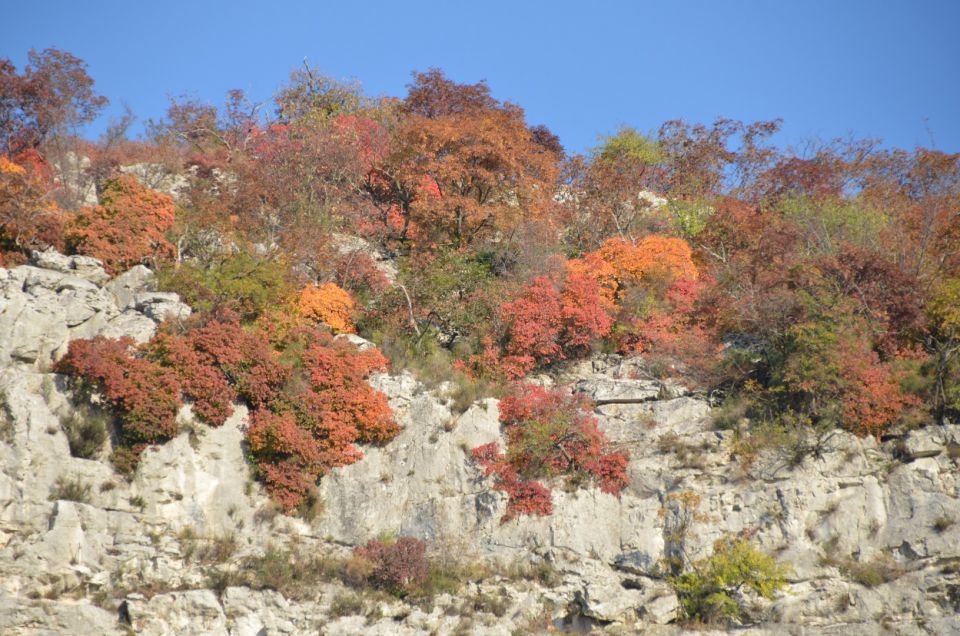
122	556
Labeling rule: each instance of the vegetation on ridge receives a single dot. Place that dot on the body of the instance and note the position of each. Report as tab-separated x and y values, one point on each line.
808	291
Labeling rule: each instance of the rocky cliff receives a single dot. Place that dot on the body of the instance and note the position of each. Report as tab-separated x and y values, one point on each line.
870	529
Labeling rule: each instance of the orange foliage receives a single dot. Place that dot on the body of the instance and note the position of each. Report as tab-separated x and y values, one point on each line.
314	425
463	166
619	264
29	218
126	228
653	256
328	304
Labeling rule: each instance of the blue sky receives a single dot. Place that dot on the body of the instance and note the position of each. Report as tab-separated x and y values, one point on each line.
881	68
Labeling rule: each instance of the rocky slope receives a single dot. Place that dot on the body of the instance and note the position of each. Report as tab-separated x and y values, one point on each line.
871	530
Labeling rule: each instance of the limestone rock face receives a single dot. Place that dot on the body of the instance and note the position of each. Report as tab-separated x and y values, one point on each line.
157	177
57	298
872	531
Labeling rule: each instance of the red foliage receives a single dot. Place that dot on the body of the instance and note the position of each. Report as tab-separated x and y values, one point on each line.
204	384
583	313
794	177
243	356
370	140
524	497
286	455
545	325
872	399
549	433
673	333
888	297
126	228
51	95
307	411
358	272
396	566
533	330
145	394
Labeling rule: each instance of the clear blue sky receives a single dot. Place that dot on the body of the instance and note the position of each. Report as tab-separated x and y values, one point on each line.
872	68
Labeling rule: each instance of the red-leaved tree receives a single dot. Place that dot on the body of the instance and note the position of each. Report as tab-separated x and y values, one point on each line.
549	433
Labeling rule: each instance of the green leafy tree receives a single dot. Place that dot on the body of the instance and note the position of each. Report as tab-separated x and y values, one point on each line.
712	590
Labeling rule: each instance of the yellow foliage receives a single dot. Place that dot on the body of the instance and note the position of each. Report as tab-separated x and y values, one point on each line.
329	304
8	167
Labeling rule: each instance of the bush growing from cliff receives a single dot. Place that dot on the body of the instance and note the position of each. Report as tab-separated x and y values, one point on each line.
144	395
397	566
127	228
313	425
549	434
712	591
309	399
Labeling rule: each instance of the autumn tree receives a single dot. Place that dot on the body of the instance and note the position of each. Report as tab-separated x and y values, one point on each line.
463	166
311	96
548	322
944	343
29	218
126	228
706	161
328	304
614	189
549	434
52	96
301	181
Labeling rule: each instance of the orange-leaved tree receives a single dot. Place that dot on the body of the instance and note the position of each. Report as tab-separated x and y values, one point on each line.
463	165
651	258
127	227
29	218
328	304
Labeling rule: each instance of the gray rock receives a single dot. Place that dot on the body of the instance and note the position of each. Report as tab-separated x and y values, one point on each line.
615	391
127	285
158	177
130	323
160	306
82	266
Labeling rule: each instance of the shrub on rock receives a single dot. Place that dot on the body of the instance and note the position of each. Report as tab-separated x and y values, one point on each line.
549	434
127	227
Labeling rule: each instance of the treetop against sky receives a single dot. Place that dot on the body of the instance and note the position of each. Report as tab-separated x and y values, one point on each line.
870	69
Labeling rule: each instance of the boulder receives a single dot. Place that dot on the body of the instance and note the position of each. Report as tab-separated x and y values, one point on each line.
127	285
161	306
82	266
